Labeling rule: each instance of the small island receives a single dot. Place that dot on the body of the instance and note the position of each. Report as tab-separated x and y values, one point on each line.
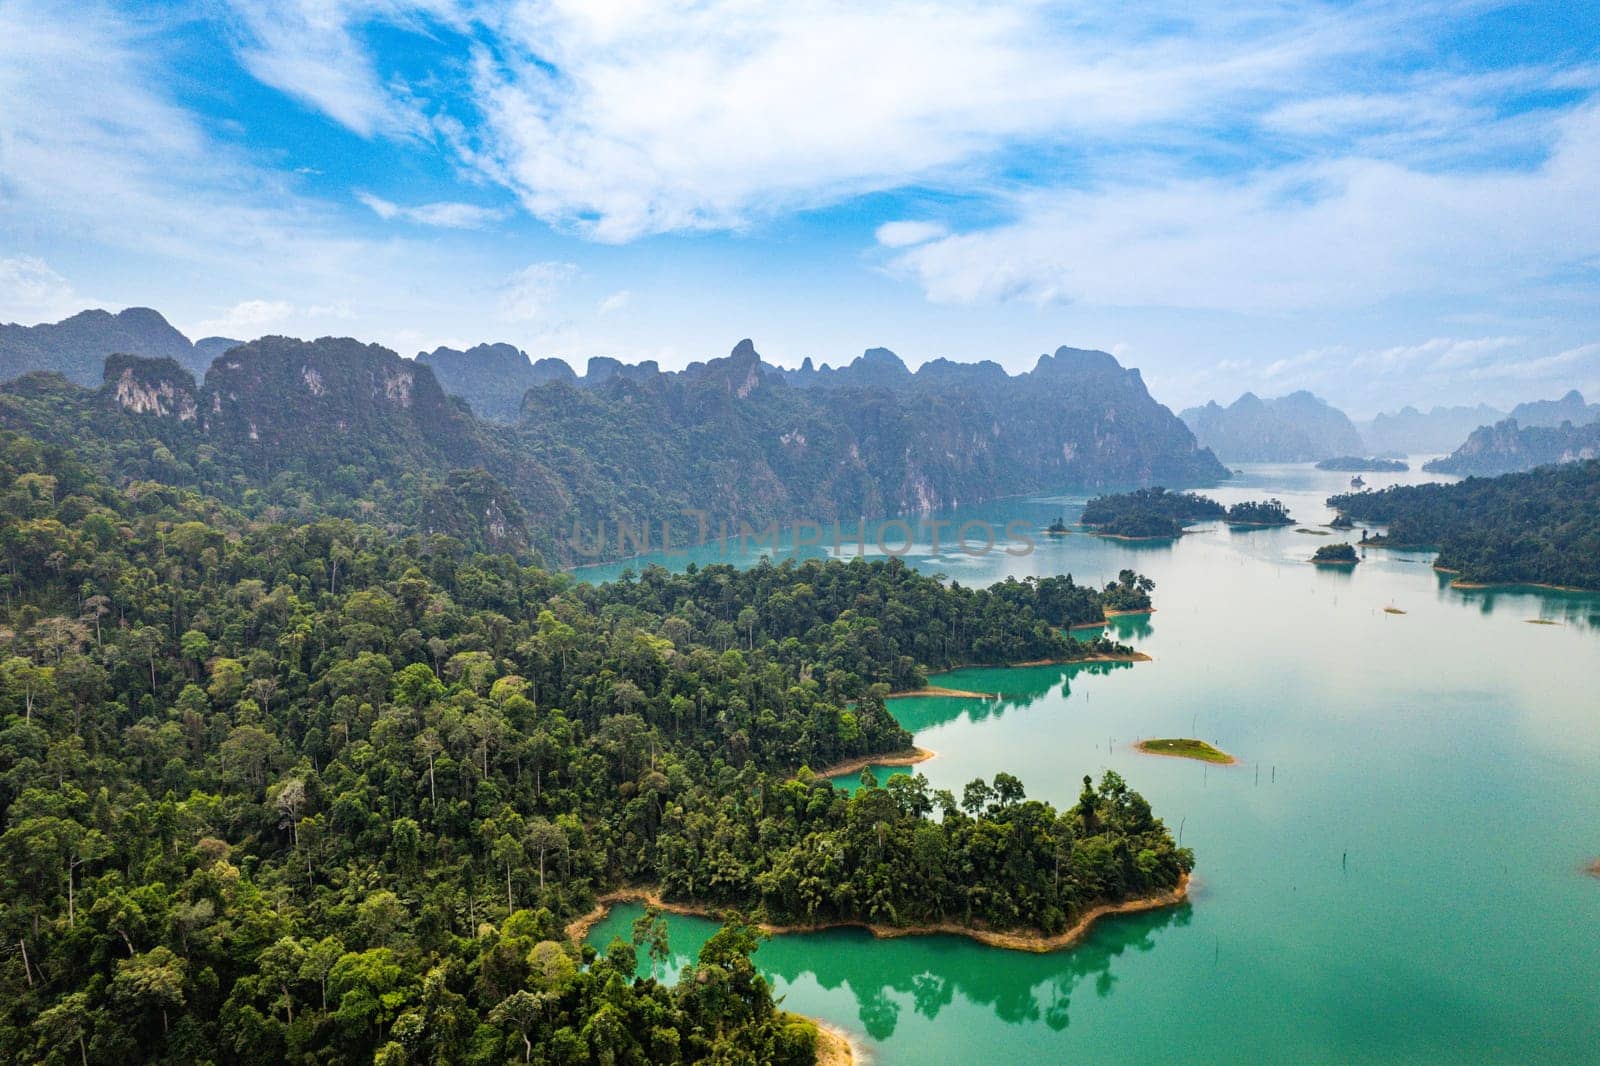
1259	513
1156	514
1185	748
1058	528
1336	555
1148	514
1355	464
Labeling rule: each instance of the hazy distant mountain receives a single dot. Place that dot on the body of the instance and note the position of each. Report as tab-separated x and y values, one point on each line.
1570	408
1507	447
76	347
1410	431
1296	428
492	378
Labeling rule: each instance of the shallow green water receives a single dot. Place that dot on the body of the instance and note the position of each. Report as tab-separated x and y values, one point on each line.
1403	881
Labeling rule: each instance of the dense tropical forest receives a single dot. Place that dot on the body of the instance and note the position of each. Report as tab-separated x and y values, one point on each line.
1540	527
1155	512
324	791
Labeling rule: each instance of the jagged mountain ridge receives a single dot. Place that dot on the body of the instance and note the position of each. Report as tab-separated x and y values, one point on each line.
1296	428
1570	408
277	421
1509	448
734	437
1409	431
77	347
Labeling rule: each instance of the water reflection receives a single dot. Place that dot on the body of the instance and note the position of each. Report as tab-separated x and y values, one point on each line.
928	973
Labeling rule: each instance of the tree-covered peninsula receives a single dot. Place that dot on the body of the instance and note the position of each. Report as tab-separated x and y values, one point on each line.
328	792
1539	527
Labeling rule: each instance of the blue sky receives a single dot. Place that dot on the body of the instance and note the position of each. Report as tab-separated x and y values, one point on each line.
1384	203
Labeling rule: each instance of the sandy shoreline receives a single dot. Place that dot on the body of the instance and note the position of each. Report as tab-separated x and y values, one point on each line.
580	927
835	1047
893	758
1109	616
1108	657
940	690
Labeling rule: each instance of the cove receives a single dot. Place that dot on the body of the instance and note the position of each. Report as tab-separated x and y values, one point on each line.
1394	871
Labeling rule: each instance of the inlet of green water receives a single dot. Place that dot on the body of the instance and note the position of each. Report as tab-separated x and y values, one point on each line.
1402	881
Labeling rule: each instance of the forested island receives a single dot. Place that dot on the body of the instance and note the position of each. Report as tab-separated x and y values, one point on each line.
1336	555
319	790
1156	514
1153	513
1541	527
1355	464
1260	513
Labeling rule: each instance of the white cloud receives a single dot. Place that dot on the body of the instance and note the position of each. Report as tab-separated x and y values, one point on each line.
308	49
94	149
620	120
905	234
444	214
1338	234
615	302
31	290
247	320
530	292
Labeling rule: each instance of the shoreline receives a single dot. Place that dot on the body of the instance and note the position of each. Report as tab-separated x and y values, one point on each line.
835	1047
904	757
1126	536
1131	612
1035	942
1228	760
1480	585
939	690
1104	657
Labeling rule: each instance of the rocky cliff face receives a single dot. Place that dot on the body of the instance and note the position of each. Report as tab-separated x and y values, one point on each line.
1506	448
157	387
1297	428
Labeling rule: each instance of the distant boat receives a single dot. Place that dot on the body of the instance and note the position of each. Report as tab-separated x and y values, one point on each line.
1356	482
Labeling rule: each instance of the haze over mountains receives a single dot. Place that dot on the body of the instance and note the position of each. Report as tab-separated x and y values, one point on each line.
1296	428
278	425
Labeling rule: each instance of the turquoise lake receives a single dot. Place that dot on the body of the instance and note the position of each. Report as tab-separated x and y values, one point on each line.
1394	872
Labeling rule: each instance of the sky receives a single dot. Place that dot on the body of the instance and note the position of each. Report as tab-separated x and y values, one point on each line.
1384	203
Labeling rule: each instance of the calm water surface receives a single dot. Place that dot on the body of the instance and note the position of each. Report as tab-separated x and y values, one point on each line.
1393	873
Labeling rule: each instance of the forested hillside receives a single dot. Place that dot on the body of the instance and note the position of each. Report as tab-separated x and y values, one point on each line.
318	791
1540	527
281	427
